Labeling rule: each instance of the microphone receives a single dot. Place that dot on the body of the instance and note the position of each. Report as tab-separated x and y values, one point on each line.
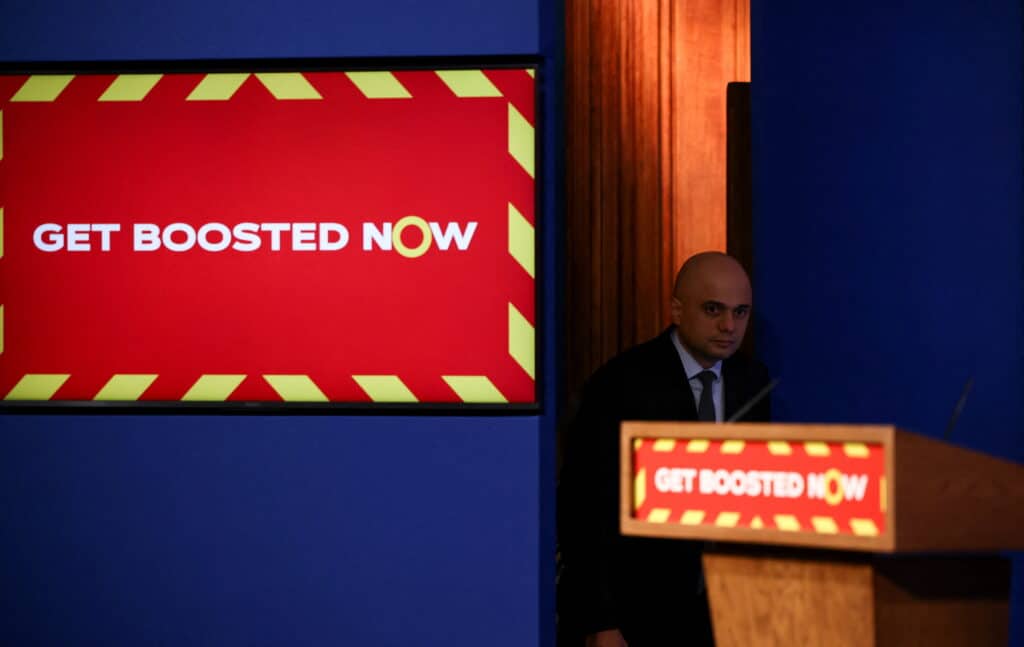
753	401
958	409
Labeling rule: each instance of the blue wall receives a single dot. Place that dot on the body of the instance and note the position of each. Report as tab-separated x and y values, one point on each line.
888	215
888	161
306	530
191	29
269	531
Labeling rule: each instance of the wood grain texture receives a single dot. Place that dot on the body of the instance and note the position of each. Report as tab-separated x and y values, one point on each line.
952	498
942	601
705	51
769	601
739	177
762	596
646	159
883	434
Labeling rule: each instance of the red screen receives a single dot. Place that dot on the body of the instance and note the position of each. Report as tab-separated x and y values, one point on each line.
318	236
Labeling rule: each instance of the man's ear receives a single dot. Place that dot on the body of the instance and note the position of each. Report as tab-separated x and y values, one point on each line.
677	310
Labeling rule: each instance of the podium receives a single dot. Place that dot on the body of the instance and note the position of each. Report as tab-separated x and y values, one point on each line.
831	535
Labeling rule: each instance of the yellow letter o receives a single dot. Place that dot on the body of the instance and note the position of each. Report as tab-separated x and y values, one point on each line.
396	236
833	476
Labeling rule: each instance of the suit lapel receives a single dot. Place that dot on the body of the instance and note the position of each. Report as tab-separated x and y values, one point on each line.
677	393
732	394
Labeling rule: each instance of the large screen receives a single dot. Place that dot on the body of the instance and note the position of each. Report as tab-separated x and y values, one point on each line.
298	236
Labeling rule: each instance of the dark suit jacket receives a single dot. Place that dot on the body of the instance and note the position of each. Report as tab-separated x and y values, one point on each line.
650	589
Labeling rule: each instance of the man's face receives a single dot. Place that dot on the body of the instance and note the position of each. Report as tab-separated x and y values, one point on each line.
711	311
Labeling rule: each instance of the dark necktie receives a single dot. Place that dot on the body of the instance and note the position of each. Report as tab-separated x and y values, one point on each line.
706	407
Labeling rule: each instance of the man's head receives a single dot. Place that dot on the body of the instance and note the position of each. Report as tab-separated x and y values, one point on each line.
711	306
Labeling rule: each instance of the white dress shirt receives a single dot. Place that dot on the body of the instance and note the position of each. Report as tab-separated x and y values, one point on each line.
693	369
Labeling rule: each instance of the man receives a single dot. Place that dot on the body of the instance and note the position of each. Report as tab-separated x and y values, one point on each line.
617	590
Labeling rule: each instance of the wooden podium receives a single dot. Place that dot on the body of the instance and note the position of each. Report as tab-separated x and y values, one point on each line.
832	535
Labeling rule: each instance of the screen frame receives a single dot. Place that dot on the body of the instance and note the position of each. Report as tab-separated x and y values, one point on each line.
324	64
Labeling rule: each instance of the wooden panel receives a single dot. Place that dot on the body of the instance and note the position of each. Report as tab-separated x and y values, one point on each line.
951	498
646	159
781	597
773	601
741	27
882	434
707	38
612	131
739	202
942	601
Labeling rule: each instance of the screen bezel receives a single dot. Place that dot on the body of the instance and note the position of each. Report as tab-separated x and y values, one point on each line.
272	407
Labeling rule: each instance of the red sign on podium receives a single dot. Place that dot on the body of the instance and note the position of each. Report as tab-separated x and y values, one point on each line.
830	488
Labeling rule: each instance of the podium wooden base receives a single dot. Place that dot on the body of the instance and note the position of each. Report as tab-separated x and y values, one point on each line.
842	599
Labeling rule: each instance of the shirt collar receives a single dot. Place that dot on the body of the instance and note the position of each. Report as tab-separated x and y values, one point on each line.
690	365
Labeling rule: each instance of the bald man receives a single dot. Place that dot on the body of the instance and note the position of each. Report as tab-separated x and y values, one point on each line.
642	592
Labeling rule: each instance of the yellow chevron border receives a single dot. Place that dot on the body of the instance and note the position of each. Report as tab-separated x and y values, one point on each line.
42	87
474	388
125	386
786	523
855	450
295	388
520	139
639	488
294	85
288	85
779	448
217	87
864	527
756	523
692	517
637	444
130	87
697	446
665	445
658	515
521	340
825	525
727	519
37	386
379	85
468	84
521	239
218	387
817	449
733	447
213	388
385	388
